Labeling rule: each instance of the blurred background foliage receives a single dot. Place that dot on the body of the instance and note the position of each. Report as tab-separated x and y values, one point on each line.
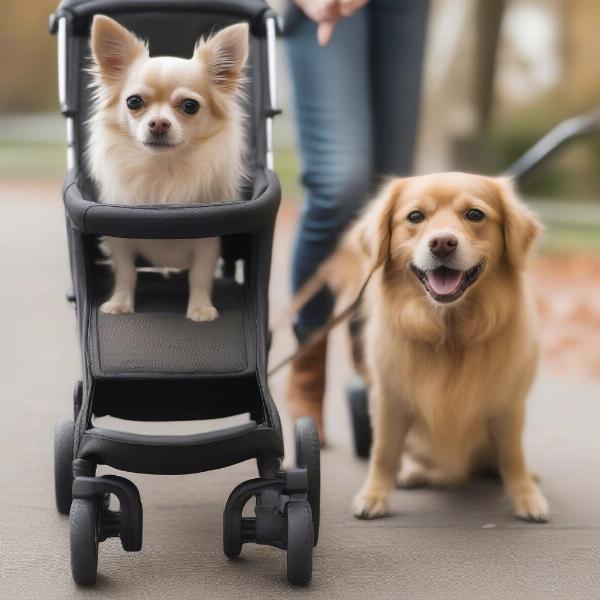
28	57
499	74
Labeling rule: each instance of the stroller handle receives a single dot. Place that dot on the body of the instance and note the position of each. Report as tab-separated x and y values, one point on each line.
174	221
255	11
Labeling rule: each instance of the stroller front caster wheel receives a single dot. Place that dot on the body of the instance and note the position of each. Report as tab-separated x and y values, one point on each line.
232	541
308	455
300	542
84	540
63	465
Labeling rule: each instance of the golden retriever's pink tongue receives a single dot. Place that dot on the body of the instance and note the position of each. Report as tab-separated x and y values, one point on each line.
444	281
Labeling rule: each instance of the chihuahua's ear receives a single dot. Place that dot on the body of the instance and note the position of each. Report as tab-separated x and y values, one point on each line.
521	227
114	48
372	233
225	53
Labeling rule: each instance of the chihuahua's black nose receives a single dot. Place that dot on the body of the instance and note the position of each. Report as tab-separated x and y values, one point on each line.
443	245
159	126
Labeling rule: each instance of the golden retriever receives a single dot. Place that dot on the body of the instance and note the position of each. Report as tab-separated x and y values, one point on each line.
450	334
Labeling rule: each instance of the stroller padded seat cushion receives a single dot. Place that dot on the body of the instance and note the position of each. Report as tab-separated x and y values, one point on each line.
158	338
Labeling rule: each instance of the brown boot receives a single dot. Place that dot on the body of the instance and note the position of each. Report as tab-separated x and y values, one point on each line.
306	385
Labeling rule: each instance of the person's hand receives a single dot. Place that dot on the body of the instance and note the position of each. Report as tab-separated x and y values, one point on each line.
326	14
347	8
320	11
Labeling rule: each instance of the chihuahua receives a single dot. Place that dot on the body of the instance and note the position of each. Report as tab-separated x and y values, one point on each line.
166	130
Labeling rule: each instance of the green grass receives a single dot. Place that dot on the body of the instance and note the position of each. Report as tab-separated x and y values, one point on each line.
39	161
26	160
47	160
287	167
561	238
571	172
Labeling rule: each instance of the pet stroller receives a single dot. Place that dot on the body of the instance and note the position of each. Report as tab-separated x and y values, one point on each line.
155	365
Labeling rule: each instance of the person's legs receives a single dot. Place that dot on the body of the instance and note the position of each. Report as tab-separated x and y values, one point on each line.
397	33
332	101
396	49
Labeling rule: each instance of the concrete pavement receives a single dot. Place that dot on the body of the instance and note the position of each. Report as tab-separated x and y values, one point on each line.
460	544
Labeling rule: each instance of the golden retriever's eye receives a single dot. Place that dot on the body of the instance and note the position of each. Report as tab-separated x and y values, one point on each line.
135	102
189	106
474	214
415	216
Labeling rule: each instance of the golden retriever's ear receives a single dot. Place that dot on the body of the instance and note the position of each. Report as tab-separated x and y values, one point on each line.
372	233
520	225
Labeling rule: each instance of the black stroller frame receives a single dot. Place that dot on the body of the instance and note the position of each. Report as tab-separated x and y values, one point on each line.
155	365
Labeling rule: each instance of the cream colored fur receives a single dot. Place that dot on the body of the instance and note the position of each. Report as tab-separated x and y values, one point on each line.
202	163
448	382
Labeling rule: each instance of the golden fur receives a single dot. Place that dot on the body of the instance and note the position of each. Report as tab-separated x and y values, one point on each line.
448	381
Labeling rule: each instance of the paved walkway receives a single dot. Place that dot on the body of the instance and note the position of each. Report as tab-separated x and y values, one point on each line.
462	544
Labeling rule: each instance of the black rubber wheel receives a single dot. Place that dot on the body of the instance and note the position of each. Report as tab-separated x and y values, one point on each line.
358	402
84	540
63	465
308	454
299	543
232	540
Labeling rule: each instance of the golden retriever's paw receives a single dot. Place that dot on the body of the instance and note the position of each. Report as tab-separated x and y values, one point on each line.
370	505
202	313
531	506
412	481
116	307
412	477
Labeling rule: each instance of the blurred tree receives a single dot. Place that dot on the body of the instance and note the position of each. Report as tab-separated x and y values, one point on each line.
580	88
467	149
28	55
459	83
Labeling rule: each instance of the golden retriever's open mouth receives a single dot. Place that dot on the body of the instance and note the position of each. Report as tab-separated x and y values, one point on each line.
447	285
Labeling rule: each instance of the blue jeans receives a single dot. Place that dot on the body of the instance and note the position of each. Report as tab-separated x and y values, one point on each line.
357	105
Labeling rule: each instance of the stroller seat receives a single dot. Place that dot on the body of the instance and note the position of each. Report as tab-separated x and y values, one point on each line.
159	339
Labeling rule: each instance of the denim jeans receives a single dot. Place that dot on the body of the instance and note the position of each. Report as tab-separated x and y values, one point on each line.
356	106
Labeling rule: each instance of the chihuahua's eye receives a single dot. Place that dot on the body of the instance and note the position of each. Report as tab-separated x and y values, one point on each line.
135	102
474	214
189	106
415	216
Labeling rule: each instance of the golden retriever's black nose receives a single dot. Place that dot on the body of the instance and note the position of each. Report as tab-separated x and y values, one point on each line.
159	126
443	245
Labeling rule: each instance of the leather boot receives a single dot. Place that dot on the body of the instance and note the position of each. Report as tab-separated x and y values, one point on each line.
306	385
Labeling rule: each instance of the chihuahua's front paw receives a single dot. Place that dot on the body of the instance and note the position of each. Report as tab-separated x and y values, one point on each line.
370	504
202	313
116	307
531	506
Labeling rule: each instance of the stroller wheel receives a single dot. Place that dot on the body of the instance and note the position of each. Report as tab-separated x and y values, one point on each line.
358	402
63	465
84	540
308	455
232	539
299	542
